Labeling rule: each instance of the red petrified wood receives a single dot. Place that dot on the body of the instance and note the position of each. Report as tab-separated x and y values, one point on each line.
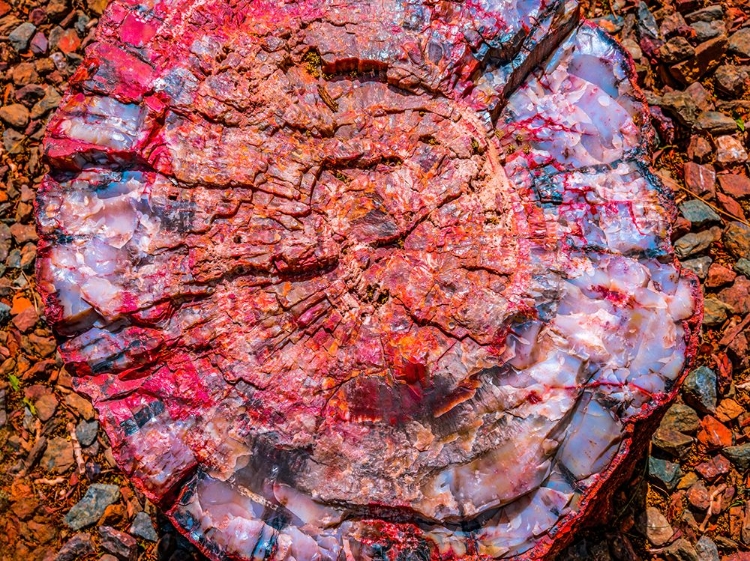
363	280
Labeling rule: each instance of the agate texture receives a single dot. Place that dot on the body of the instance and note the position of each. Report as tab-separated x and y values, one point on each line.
364	280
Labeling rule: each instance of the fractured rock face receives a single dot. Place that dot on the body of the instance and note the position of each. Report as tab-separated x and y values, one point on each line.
347	280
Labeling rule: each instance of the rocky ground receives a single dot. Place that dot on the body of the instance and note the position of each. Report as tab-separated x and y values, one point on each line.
61	496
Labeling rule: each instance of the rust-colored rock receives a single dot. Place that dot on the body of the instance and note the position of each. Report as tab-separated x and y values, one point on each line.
707	57
361	280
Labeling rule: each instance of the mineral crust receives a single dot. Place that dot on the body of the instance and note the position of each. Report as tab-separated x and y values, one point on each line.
363	280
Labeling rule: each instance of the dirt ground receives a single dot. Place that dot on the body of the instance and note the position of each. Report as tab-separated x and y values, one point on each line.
687	498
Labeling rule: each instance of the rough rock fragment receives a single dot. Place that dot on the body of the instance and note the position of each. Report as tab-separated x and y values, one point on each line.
739	42
123	545
656	527
707	56
730	151
90	508
142	527
77	547
20	36
360	279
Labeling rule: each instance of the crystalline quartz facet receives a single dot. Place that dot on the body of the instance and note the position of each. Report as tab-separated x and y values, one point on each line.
363	280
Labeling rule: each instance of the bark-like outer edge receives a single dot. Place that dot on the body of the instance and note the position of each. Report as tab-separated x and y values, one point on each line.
595	505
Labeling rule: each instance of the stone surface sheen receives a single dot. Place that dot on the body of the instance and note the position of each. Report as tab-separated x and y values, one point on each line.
354	280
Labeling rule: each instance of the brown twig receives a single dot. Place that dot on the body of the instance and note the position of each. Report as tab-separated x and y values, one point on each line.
714	508
714	207
733	332
45	481
77	449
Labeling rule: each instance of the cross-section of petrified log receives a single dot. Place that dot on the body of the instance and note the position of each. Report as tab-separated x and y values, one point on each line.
363	280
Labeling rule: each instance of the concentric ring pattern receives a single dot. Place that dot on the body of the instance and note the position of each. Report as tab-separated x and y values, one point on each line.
363	280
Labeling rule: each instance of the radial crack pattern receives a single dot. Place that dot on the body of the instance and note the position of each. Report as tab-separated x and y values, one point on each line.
353	280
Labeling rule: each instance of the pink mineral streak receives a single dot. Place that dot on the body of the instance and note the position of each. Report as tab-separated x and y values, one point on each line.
364	280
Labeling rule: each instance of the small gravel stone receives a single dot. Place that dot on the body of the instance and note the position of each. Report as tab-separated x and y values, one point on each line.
4	313
97	6
713	468
682	418
695	242
46	405
16	115
730	206
671	441
699	213
58	457
676	50
24	74
687	481
714	311
39	43
737	239
743	266
714	434
699	149
23	233
143	527
118	543
646	21
57	8
19	38
113	515
707	57
699	179
735	185
77	547
682	106
3	411
633	48
719	275
26	320
728	410
90	508
739	43
672	24
705	30
739	455
68	42
669	473
708	14
706	549
700	387
700	266
716	123
698	496
81	405
86	432
702	97
40	345
729	150
13	141
732	80
54	36
30	93
656	527
680	550
49	102
5	238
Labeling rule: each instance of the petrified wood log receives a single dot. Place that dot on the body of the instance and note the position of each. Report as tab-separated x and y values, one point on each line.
363	280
